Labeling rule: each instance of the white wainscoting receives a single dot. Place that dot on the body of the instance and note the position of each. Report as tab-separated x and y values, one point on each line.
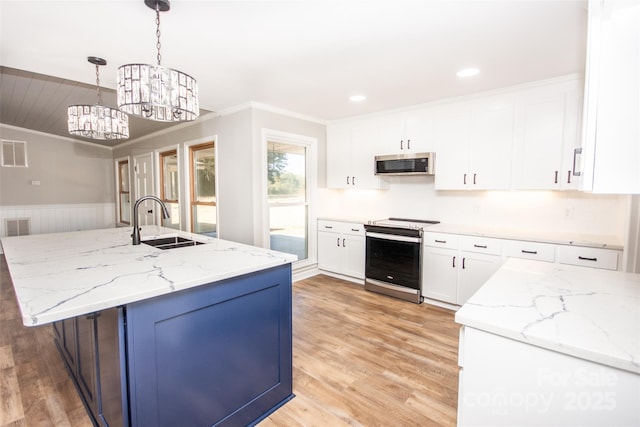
60	218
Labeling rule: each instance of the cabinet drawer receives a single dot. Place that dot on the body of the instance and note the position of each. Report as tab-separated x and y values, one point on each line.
589	257
341	227
484	245
529	250
440	240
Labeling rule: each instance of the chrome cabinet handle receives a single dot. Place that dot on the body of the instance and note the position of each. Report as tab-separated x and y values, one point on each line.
408	144
530	252
441	241
353	180
347	180
328	226
343	245
584	258
454	262
480	246
463	266
555	179
338	242
576	151
401	147
568	177
474	178
464	179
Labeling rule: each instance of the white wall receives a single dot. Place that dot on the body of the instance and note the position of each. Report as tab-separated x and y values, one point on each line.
528	211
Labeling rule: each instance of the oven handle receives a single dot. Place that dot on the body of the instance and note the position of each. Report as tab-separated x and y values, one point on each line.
394	237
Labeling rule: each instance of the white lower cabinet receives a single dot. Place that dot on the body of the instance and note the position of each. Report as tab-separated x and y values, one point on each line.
341	248
504	382
455	267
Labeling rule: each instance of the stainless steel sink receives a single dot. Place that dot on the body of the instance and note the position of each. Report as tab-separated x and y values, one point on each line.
172	242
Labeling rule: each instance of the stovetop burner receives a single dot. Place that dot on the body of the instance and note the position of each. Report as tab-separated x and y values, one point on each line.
413	224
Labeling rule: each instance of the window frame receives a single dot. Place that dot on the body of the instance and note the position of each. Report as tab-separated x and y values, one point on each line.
191	202
119	191
161	154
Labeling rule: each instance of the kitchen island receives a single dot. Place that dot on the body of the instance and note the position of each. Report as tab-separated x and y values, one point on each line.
199	335
549	344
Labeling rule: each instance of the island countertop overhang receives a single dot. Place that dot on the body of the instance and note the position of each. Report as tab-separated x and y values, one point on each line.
63	275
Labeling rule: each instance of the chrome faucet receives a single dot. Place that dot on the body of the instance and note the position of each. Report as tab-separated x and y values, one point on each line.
136	229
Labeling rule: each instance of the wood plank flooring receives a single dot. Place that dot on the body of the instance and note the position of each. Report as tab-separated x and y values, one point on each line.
359	359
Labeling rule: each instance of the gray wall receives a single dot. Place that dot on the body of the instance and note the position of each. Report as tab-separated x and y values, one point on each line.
69	172
238	141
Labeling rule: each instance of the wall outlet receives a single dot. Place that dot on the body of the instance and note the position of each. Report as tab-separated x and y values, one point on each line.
568	213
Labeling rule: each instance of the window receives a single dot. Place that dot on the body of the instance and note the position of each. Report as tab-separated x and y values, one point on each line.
14	153
169	187
202	175
123	192
287	198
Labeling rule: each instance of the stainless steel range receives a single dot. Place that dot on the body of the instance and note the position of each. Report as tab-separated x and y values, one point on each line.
393	263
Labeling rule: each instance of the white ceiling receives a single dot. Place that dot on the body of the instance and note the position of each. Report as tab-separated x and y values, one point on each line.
306	56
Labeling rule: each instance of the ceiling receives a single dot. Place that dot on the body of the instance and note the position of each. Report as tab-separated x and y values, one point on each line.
306	56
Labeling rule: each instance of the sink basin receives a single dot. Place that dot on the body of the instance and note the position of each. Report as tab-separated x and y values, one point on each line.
173	242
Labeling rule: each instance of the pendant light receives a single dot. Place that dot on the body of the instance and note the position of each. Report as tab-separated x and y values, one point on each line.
97	121
155	92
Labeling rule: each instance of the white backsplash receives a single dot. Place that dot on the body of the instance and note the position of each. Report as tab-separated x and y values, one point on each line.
535	211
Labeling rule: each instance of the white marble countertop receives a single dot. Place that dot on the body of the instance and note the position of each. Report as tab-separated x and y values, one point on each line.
63	275
574	239
584	312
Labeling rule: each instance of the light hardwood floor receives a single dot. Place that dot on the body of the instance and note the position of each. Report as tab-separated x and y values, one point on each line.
359	359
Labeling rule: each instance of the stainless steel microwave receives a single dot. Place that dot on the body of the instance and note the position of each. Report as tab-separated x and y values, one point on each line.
405	164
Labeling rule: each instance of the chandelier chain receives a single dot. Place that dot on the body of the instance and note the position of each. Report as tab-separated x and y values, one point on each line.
98	85
158	30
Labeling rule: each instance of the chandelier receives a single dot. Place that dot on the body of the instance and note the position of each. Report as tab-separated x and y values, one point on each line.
97	121
155	92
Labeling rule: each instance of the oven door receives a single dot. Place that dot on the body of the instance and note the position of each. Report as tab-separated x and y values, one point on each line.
393	259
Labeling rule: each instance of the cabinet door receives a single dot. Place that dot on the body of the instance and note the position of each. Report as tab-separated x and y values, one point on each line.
491	142
365	139
392	138
329	252
440	274
538	142
338	156
418	132
475	270
86	367
451	136
353	255
110	340
611	132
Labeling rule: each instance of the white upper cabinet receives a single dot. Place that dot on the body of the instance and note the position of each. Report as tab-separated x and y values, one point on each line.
473	144
407	132
545	136
611	132
350	156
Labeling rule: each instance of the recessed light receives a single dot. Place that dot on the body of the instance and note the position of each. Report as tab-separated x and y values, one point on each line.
357	98
467	72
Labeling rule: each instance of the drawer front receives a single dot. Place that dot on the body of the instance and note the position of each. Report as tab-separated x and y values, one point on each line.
483	245
529	250
440	240
341	227
589	257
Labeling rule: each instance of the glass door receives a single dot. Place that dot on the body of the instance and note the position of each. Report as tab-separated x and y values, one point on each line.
287	198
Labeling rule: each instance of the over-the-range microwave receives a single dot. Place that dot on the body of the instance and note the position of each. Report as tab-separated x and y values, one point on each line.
405	164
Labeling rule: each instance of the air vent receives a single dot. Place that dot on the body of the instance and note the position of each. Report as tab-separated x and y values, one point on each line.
17	227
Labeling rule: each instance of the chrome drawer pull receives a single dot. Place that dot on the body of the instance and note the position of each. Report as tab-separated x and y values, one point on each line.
584	258
441	241
480	246
530	252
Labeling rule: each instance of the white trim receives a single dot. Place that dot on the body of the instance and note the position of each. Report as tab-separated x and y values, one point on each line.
156	183
62	138
270	108
311	145
186	175
203	118
470	97
117	187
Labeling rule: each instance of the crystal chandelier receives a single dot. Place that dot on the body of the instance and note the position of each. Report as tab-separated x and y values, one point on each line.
155	92
97	121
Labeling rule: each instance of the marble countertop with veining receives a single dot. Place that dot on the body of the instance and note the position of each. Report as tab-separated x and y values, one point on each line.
63	275
580	311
